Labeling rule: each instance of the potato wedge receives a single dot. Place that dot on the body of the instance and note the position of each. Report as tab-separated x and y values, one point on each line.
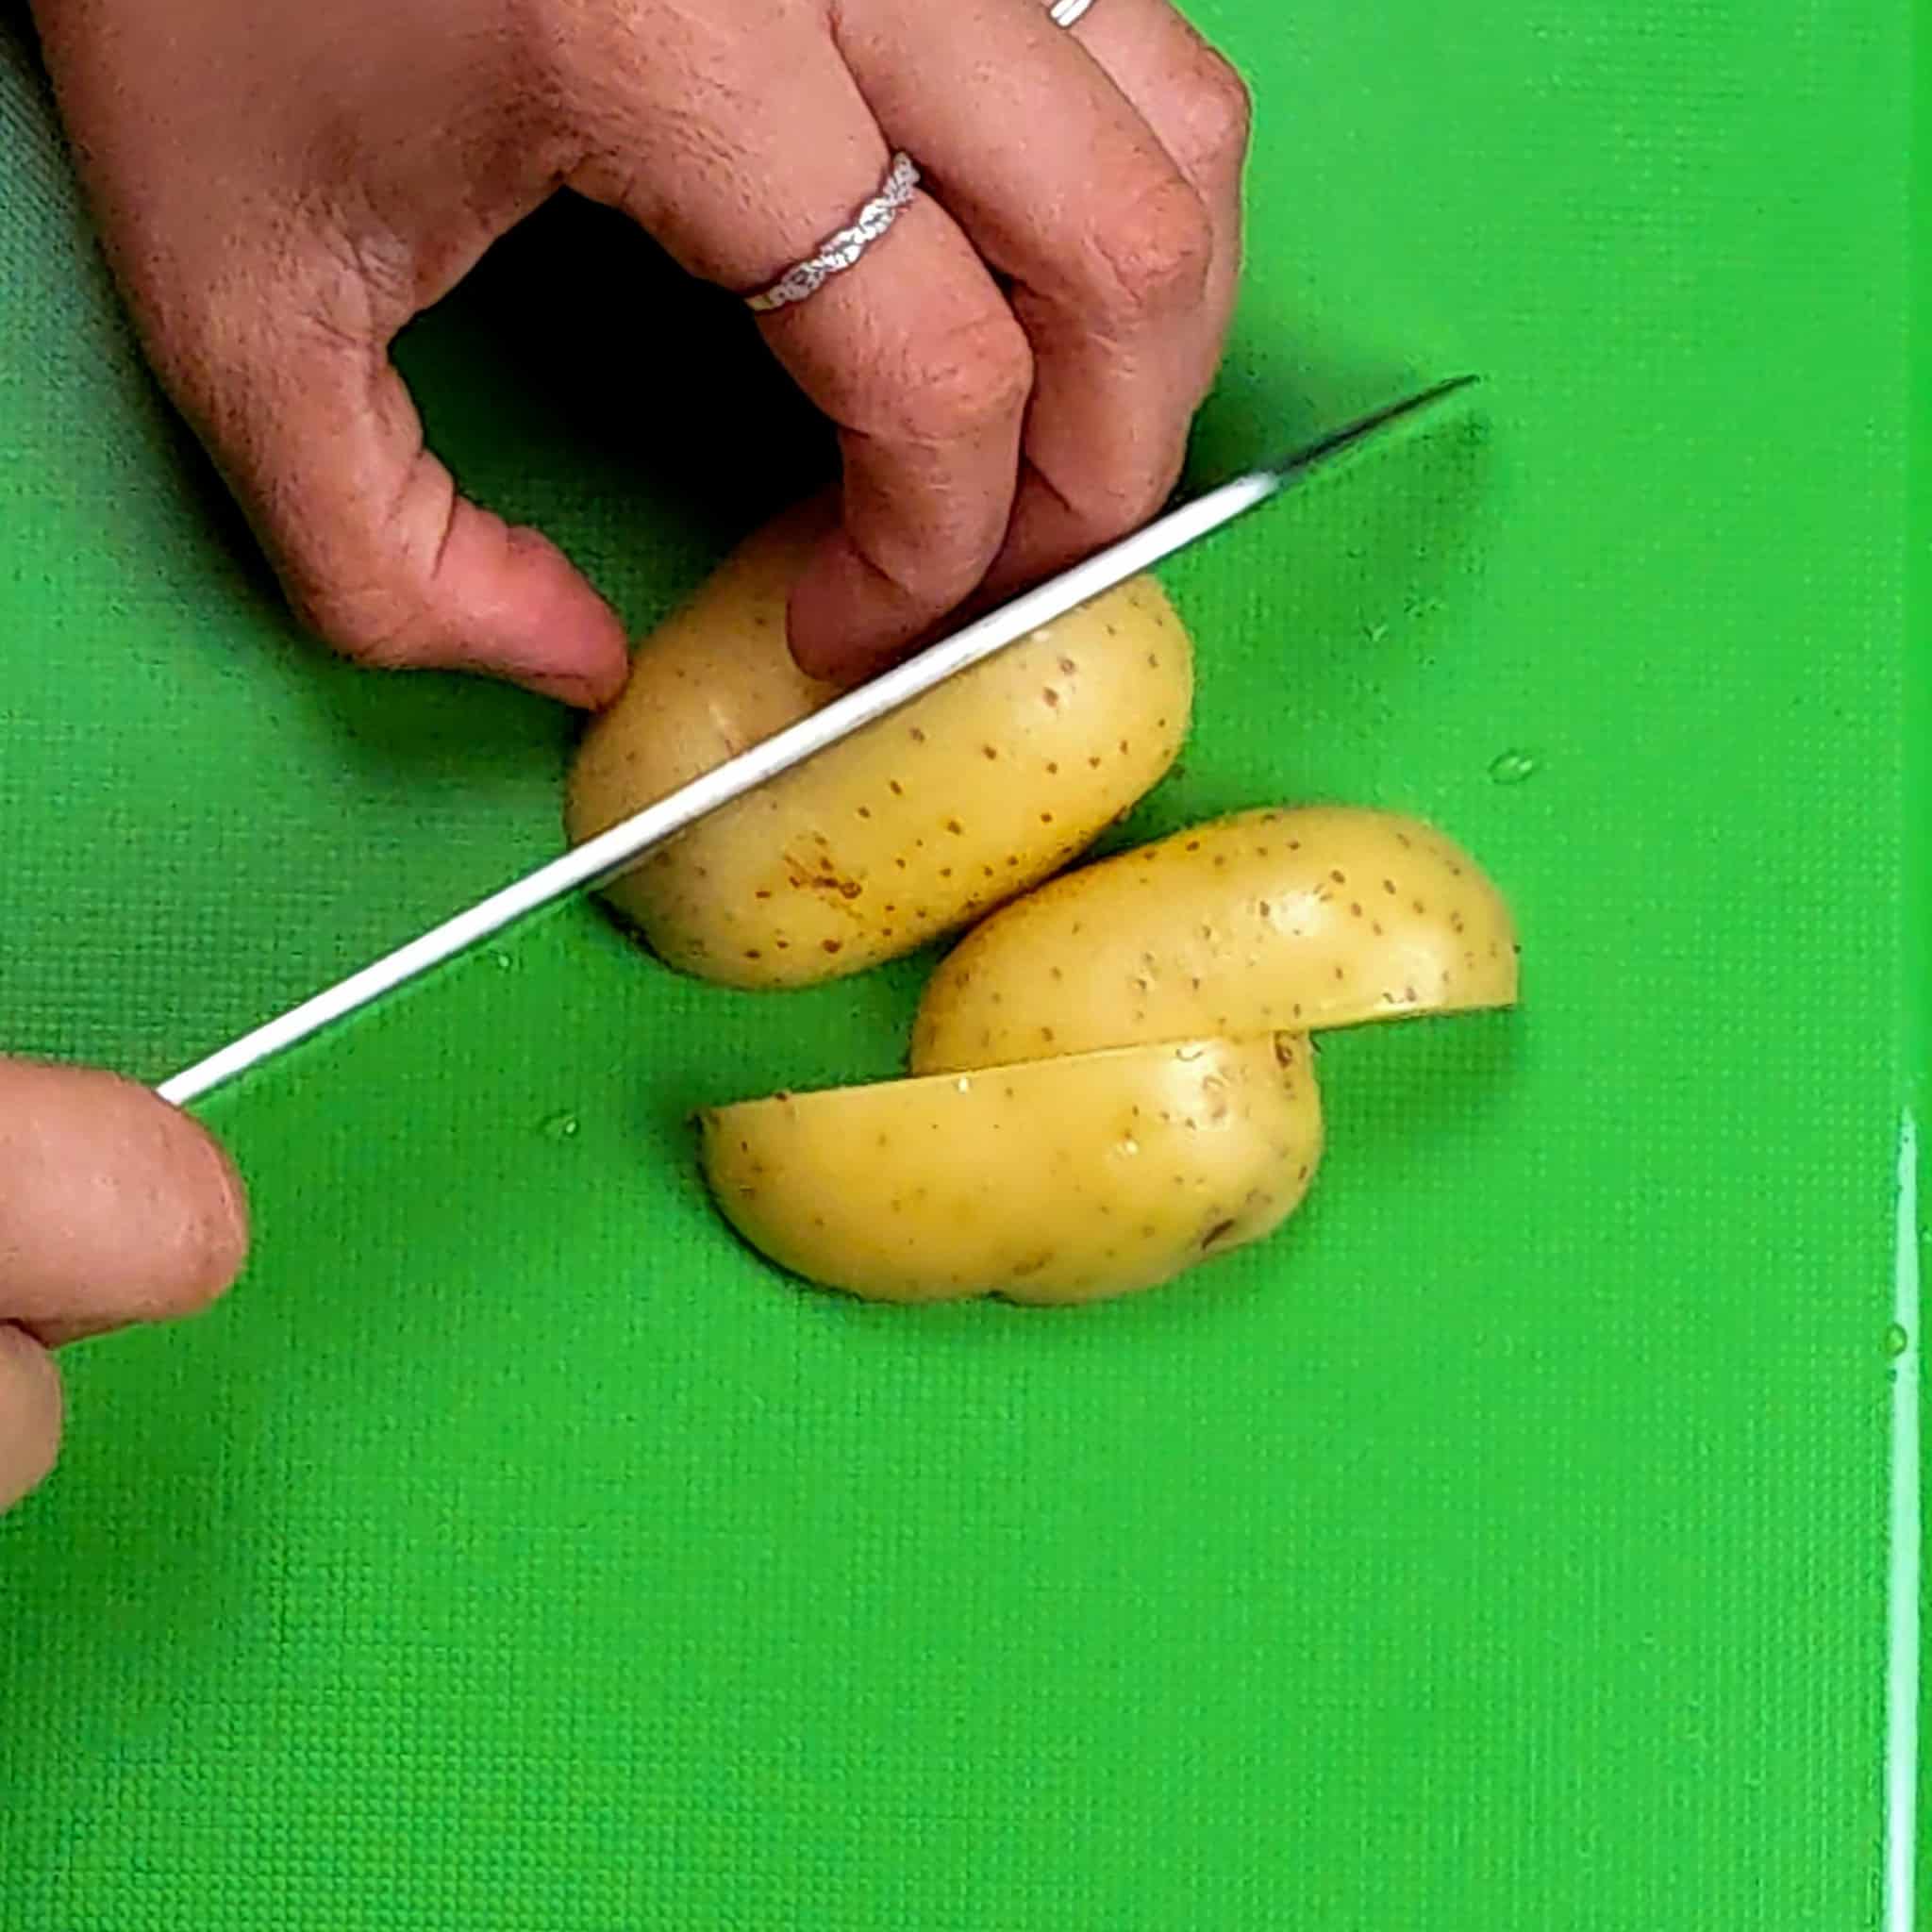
1325	916
1065	1180
912	829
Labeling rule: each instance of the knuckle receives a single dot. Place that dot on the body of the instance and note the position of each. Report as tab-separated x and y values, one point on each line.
1155	252
933	569
541	40
1110	503
1216	116
360	623
935	556
965	379
369	594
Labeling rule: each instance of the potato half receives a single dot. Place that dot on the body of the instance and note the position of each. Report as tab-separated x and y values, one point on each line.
913	828
1325	916
1065	1180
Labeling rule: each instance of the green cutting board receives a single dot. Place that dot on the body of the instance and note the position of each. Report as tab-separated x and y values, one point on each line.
1506	1547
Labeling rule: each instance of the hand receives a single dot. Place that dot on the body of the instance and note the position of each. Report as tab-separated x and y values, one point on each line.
1012	370
113	1209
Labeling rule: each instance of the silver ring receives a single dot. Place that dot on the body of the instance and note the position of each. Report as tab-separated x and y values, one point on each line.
839	251
1065	12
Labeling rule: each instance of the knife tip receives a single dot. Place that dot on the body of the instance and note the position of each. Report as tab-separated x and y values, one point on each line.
1363	427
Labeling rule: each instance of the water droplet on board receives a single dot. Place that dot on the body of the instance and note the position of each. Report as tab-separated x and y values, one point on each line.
1513	767
1896	1341
501	961
562	1126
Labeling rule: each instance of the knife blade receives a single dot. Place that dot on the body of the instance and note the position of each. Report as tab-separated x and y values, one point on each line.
599	860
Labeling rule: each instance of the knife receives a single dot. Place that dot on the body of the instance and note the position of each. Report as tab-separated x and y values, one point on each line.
610	854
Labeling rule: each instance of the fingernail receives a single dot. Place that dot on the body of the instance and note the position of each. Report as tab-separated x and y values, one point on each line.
581	693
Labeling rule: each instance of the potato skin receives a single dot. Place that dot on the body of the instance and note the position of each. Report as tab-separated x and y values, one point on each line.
1313	918
1057	1181
924	823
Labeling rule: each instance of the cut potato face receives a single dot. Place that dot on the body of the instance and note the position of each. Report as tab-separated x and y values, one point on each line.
1307	919
917	827
1064	1180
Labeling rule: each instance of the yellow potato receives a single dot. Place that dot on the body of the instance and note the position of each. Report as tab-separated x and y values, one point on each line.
1322	917
1064	1180
917	827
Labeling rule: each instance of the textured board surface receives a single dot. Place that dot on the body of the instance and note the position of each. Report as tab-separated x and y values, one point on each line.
1502	1549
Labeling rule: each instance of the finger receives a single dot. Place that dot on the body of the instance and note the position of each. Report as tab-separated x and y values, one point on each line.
913	354
113	1206
1066	190
928	378
30	1408
1198	108
293	391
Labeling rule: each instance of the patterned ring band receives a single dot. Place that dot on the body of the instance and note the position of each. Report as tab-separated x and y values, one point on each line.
839	251
1065	12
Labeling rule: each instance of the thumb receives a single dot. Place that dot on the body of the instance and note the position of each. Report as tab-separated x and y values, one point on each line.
378	552
114	1207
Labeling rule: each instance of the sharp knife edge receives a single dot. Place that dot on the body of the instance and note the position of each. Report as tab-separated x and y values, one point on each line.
605	857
